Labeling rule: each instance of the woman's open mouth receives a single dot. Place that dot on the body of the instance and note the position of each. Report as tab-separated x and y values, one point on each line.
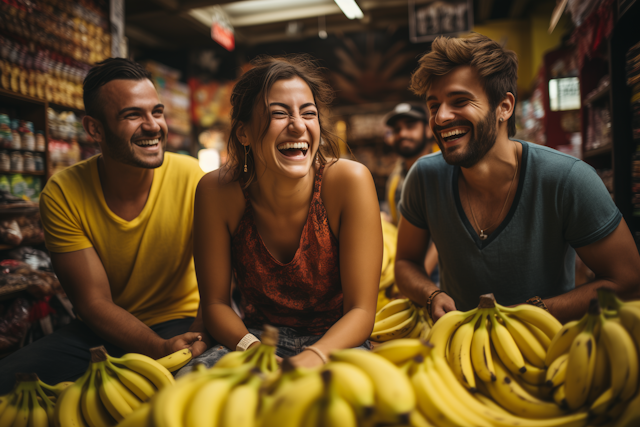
294	149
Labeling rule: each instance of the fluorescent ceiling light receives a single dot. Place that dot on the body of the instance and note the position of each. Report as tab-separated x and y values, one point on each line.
350	8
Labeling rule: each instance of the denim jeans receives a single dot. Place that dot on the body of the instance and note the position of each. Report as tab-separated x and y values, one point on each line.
290	343
64	355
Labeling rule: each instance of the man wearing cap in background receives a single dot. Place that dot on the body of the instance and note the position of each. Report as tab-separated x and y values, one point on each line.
411	138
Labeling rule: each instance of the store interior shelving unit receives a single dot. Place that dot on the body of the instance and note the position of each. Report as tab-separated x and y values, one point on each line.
615	97
625	35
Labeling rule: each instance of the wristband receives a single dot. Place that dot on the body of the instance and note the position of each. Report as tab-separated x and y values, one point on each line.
246	341
318	352
537	301
431	298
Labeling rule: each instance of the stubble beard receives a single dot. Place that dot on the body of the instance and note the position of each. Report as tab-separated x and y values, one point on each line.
122	150
484	137
411	152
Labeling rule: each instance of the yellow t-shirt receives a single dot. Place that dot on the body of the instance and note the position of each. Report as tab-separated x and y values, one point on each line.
149	260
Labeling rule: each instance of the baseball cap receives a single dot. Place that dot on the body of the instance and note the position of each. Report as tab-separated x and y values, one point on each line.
405	109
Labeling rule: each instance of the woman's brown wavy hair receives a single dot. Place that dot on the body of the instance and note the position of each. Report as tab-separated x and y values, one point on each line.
250	95
496	66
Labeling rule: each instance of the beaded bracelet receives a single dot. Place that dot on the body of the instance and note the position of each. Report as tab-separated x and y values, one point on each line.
431	298
537	301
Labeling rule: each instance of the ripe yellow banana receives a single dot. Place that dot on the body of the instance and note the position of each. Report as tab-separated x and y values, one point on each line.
581	366
401	350
396	331
509	394
147	367
22	415
388	278
536	316
533	375
460	353
431	403
174	361
93	410
38	416
623	357
392	320
560	397
532	349
494	414
561	342
110	396
443	329
233	359
141	417
506	347
241	408
354	386
336	412
169	404
67	410
10	411
394	395
556	373
537	332
481	356
395	306
293	401
603	402
207	403
601	373
138	384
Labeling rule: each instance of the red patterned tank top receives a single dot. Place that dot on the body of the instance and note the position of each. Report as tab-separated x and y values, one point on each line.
305	293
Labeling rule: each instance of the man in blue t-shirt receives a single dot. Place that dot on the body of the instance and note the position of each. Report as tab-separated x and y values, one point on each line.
507	216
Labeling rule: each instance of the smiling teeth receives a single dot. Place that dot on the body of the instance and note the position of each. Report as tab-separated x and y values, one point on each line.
148	142
293	145
452	133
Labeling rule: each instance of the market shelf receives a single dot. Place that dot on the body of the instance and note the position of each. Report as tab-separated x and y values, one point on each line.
598	94
22	172
606	149
24	99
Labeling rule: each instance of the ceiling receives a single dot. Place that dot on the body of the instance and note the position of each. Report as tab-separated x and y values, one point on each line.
176	24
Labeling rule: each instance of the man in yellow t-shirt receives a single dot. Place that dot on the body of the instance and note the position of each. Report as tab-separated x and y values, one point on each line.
119	229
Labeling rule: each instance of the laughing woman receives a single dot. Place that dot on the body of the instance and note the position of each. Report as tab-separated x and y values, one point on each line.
298	229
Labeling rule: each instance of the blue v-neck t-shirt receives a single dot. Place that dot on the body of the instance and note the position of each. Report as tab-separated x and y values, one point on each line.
560	204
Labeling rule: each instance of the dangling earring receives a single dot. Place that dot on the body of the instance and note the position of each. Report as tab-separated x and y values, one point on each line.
246	151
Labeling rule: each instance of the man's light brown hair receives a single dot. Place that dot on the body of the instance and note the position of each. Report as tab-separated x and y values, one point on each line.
496	67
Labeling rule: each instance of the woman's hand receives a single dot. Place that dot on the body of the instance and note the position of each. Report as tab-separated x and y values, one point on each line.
306	359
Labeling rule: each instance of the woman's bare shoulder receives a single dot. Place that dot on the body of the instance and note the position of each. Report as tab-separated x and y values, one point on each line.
219	189
343	172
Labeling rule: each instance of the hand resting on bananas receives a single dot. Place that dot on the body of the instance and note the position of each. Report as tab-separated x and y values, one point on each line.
507	216
298	228
118	227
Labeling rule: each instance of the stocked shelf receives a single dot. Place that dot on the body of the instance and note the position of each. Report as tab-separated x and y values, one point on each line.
598	94
606	149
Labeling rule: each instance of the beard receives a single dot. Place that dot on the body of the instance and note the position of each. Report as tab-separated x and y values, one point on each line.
484	137
122	150
410	152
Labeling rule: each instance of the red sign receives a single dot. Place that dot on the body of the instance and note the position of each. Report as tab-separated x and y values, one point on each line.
223	36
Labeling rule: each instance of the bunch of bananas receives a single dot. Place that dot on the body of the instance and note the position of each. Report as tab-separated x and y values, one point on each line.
356	387
228	394
400	318
387	275
30	403
110	389
594	361
501	352
262	357
441	398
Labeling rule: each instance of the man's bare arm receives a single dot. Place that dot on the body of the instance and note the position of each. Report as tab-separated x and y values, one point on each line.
616	264
85	281
411	277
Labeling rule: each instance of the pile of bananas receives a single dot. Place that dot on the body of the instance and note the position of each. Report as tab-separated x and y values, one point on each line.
387	275
400	318
232	393
441	398
111	389
30	403
593	362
